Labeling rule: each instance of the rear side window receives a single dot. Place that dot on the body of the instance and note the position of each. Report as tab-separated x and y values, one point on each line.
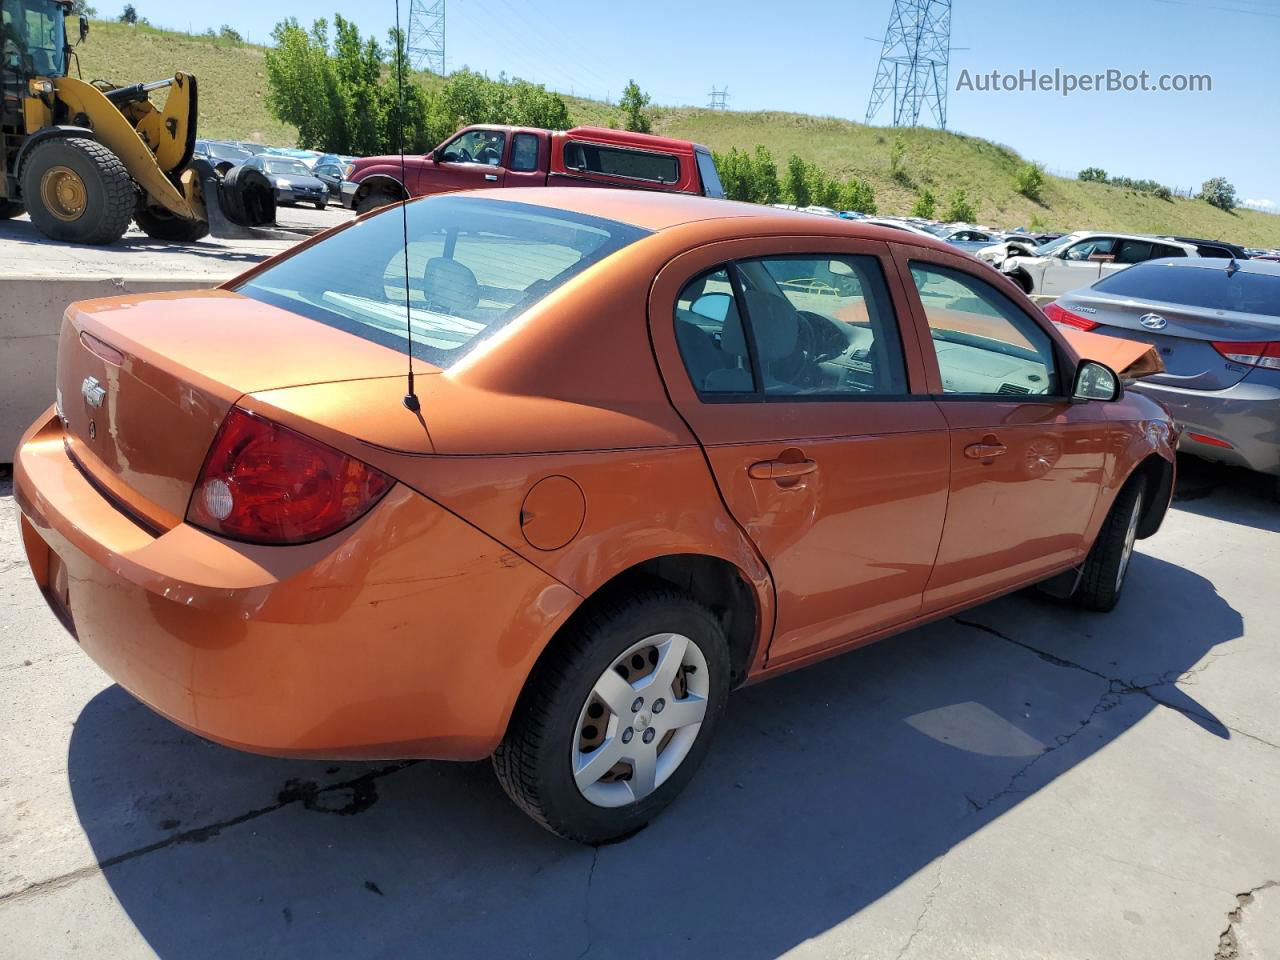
985	345
524	152
1201	287
474	265
709	333
711	186
1135	251
618	162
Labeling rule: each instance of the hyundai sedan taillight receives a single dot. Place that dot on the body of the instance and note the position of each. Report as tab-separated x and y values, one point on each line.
1251	354
1066	318
264	483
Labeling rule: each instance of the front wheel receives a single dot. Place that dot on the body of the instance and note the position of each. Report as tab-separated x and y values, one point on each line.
321	204
615	721
78	190
160	224
374	200
1108	562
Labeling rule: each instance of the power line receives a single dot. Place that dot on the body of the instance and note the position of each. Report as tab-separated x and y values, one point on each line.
719	99
915	56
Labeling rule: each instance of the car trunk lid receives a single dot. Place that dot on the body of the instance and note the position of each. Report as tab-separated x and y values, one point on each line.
1183	336
143	383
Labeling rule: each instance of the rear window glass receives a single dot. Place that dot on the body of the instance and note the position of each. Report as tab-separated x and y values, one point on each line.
474	266
1207	289
617	162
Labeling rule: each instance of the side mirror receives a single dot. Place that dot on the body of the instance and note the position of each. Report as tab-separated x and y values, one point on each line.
84	28
712	306
434	156
1095	381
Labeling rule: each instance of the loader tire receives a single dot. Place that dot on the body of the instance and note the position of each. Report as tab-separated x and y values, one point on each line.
78	191
163	225
10	209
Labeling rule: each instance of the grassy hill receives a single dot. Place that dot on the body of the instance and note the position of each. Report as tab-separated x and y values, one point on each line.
233	89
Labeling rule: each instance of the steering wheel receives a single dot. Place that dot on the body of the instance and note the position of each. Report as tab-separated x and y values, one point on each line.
463	155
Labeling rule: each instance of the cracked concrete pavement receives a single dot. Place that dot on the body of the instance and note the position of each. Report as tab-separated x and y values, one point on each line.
1023	780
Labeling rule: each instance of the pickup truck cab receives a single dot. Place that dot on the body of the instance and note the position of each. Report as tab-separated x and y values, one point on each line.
487	156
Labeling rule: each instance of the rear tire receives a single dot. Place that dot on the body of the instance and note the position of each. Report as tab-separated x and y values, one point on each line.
163	225
10	209
1103	575
78	191
578	703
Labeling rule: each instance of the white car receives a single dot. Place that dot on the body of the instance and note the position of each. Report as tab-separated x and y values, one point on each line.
1079	259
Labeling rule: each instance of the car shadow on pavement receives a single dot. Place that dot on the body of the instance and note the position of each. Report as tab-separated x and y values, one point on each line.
1230	494
825	790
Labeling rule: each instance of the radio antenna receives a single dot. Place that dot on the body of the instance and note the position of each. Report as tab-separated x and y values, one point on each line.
410	397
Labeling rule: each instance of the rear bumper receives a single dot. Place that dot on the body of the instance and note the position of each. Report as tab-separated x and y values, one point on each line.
409	634
1247	416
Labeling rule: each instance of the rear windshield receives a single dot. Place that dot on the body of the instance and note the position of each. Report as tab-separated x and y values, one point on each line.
617	162
474	266
1206	289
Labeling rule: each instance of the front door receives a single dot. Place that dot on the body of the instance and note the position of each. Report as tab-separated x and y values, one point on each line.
1077	266
1026	462
470	161
791	370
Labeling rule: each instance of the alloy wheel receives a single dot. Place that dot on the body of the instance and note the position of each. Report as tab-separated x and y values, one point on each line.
1130	536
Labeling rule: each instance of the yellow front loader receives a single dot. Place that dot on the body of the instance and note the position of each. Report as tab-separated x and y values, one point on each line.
84	159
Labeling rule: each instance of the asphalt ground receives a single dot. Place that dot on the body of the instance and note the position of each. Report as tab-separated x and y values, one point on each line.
1024	780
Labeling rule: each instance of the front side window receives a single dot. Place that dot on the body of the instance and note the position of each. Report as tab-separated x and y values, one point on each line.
474	265
618	162
476	146
524	152
33	37
1087	248
985	345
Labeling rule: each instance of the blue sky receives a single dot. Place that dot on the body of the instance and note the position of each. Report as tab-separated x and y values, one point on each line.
812	56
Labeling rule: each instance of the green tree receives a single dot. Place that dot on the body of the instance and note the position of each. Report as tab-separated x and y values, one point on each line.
1218	192
960	210
129	15
858	196
1092	174
633	102
82	8
925	204
226	32
1028	180
795	185
302	86
736	174
764	174
897	158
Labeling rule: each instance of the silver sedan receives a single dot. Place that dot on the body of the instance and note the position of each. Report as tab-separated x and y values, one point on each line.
1216	324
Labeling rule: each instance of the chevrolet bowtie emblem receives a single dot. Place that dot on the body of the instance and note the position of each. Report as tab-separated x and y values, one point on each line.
93	392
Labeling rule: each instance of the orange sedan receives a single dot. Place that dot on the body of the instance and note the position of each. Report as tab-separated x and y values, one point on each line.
654	447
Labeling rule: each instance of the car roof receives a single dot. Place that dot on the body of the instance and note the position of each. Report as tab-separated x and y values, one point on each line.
1266	267
658	210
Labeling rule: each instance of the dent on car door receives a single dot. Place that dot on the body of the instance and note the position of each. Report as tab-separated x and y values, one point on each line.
791	370
1026	462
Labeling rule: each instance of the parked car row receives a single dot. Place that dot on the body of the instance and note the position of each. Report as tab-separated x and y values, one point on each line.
298	176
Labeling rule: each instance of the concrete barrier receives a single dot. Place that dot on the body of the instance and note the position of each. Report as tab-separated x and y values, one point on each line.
30	315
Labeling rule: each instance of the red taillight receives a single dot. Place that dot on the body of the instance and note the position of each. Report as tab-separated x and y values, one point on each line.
1209	441
1251	354
264	483
1068	319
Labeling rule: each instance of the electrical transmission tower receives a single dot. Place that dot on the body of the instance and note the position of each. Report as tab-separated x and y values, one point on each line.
425	41
914	57
719	99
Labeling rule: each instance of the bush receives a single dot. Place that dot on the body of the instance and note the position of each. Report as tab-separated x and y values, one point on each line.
1092	175
960	210
1162	192
765	177
230	33
1218	192
795	186
925	203
857	195
633	102
1029	180
897	156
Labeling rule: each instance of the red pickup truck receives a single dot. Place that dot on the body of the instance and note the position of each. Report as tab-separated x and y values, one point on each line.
498	156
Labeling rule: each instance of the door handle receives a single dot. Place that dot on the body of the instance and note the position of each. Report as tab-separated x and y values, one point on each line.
986	450
780	469
491	176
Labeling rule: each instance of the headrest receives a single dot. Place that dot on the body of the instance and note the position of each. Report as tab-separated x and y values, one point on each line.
449	286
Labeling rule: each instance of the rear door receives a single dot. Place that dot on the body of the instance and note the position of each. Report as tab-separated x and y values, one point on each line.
787	360
1026	462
